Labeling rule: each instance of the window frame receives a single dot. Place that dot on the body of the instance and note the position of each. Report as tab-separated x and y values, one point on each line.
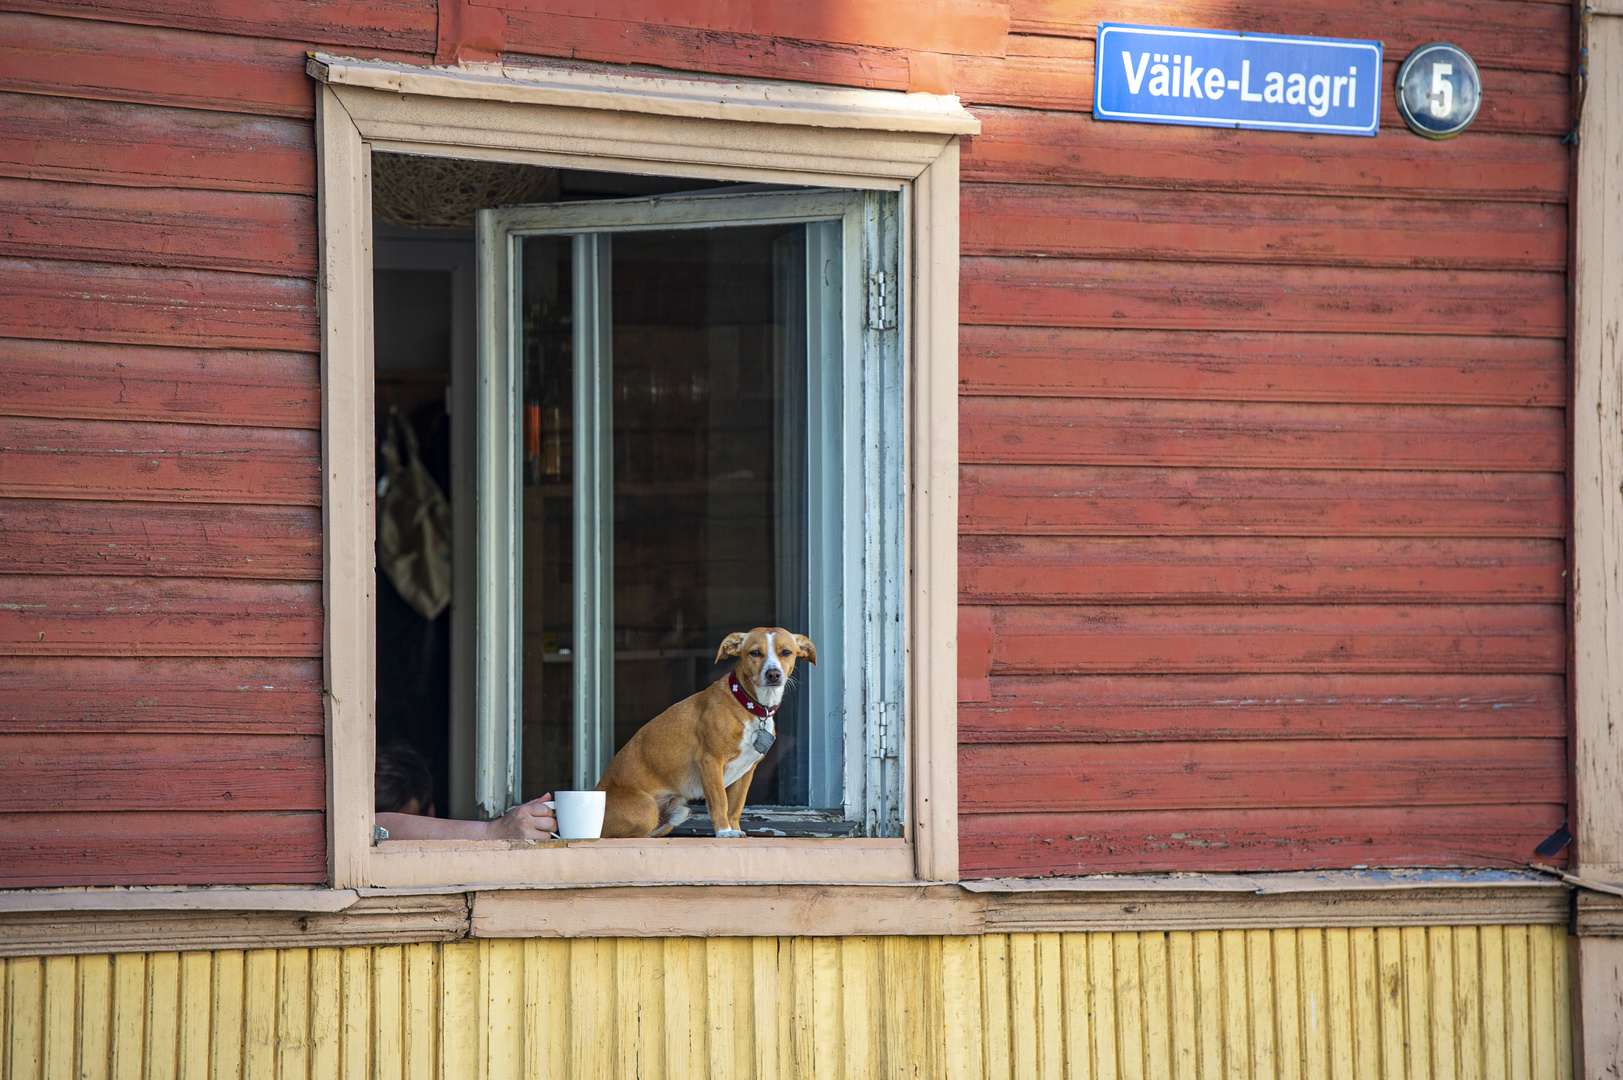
856	477
609	121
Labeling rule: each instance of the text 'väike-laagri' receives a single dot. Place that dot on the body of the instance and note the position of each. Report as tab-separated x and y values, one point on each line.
1216	78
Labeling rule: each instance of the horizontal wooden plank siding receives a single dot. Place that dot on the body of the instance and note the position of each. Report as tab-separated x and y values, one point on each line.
153	146
160	451
1068	501
1192	1005
1086	431
1396	369
1081	709
97	381
162	848
1016	219
216	696
1044	72
147	306
146	539
1214	570
1123	842
179	227
380	24
164	462
629	41
1200	296
105	616
90	59
1510	34
1289	775
98	773
1264	443
1430	638
1263	490
1063	148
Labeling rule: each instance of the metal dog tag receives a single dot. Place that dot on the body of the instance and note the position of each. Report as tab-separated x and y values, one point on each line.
764	740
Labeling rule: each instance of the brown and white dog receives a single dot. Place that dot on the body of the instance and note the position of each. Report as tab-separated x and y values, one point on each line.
706	746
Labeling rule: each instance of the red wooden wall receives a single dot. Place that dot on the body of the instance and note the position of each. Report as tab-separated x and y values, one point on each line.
1263	434
1263	445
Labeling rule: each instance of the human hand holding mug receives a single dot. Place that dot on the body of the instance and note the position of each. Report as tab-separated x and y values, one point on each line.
533	820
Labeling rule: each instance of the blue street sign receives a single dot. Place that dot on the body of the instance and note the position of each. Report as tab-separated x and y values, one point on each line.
1216	78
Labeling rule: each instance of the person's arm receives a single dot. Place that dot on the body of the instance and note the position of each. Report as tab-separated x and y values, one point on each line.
527	821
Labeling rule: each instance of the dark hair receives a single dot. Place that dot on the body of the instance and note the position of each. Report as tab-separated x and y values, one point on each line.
403	774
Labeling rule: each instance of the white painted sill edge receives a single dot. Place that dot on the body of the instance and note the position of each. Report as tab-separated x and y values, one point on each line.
589	86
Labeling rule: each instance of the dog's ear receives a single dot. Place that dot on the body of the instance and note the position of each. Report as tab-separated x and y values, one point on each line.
730	646
808	651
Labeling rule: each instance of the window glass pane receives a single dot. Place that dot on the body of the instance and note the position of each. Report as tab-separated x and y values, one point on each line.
709	443
546	457
707	370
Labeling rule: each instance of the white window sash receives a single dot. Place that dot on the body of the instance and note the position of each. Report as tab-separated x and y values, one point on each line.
856	482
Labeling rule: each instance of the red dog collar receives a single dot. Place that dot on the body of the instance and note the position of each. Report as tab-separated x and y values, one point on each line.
748	702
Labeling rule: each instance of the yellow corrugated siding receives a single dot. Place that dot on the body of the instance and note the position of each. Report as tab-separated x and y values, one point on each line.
1418	1003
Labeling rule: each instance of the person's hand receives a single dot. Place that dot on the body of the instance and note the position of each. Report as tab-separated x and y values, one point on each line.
533	820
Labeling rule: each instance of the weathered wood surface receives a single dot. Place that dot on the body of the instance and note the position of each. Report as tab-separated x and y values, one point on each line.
1237	707
1043	72
89	59
145	539
1090	431
1185	1004
621	41
380	24
1246	570
1054	362
1032	845
92	381
191	696
96	459
162	848
1051	500
153	146
1181	226
1303	774
1156	320
104	772
1028	147
152	306
100	616
208	230
1511	34
1167	638
1203	296
969	27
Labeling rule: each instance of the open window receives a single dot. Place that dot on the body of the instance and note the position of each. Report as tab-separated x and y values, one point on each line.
690	422
716	391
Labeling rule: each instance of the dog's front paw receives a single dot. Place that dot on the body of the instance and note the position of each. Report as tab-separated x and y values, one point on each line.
729	832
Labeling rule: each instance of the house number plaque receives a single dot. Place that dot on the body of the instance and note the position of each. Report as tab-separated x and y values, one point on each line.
1439	90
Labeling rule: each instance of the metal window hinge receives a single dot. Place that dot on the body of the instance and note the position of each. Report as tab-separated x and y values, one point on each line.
887	729
882	300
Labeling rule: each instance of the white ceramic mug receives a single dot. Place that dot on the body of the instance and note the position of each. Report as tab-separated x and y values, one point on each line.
579	813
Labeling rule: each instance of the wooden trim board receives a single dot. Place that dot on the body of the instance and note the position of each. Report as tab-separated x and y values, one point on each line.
377	920
1201	902
1597	468
587	86
1597	546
